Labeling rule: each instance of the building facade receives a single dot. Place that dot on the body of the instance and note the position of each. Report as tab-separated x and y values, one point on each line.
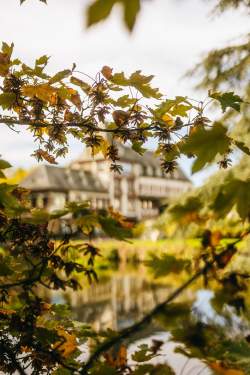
138	192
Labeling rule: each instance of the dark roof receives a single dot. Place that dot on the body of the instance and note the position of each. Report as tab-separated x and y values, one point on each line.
127	154
47	177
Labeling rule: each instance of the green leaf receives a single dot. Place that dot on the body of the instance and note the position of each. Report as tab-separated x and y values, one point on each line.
5	270
176	107
119	79
206	144
143	354
236	193
7	100
242	147
227	100
99	10
131	10
7	49
113	229
141	83
137	147
78	82
60	76
43	60
6	198
38	217
184	209
4	164
125	101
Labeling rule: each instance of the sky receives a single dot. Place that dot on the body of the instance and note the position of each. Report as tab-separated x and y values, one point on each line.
169	38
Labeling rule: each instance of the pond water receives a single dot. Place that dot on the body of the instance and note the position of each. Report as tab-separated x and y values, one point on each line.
123	297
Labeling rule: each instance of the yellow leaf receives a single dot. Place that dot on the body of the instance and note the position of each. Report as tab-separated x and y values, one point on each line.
168	119
71	91
44	92
222	370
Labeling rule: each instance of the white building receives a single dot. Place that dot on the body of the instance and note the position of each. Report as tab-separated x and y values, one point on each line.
138	192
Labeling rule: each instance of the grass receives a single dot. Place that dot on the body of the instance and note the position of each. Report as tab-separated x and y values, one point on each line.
139	249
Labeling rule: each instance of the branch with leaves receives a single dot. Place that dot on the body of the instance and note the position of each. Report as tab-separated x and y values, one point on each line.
54	107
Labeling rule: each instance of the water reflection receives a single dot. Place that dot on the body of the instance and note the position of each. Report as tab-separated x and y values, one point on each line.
117	302
125	297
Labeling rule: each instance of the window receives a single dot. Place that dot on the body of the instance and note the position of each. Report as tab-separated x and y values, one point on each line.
144	170
33	202
45	202
127	168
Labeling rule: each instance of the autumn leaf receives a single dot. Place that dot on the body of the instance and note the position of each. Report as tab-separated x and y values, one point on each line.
67	345
168	119
42	154
222	370
117	359
107	72
78	82
4	58
76	100
120	117
7	312
60	76
44	92
215	238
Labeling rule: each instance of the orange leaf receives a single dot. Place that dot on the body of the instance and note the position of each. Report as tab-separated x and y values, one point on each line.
68	344
117	359
215	238
222	370
120	117
107	72
7	312
76	100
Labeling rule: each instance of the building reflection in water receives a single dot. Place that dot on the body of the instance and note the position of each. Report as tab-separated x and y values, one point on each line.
117	303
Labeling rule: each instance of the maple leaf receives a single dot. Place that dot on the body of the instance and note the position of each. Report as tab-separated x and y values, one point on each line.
206	144
227	100
67	345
